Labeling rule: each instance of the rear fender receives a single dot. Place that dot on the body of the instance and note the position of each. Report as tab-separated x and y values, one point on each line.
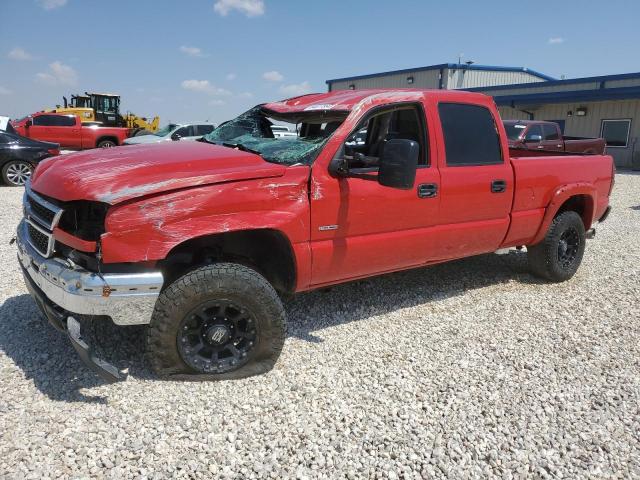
560	196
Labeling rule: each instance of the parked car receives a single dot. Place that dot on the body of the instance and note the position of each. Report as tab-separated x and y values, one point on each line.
281	131
68	131
174	131
19	155
547	136
200	240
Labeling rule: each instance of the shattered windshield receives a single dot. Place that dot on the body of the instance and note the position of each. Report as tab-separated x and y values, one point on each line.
252	131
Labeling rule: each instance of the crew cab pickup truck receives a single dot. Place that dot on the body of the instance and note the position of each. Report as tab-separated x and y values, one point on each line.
68	131
532	135
200	240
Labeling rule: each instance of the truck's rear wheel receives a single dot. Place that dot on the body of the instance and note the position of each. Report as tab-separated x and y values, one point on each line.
559	255
107	144
222	321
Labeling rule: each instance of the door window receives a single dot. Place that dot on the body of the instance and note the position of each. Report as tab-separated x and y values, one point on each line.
550	132
364	146
185	131
534	134
470	135
54	121
204	129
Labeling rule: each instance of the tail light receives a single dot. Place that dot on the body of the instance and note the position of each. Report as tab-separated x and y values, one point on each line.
53	151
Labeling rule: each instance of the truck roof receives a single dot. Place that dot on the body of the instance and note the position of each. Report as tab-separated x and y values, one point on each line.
346	100
526	122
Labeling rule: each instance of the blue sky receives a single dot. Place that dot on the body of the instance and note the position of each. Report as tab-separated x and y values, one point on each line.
212	59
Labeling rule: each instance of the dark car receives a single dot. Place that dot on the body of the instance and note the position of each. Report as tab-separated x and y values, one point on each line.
19	156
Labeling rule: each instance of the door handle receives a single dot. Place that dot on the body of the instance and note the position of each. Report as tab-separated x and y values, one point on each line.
540	146
427	190
498	186
559	146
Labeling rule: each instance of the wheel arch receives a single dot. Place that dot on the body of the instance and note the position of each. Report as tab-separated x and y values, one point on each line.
580	198
266	250
113	138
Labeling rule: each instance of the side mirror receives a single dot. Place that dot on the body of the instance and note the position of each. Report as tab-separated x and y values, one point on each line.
533	138
28	123
176	136
398	164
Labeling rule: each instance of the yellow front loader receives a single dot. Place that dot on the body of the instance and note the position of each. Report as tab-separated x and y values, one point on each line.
104	108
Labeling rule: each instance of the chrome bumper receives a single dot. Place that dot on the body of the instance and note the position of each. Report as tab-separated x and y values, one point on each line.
129	299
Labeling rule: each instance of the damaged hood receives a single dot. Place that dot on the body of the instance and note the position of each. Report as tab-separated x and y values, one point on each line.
118	174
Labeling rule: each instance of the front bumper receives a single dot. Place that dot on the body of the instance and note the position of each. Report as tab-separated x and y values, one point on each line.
128	299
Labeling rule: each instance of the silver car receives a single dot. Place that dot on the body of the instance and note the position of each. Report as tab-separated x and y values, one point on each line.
173	131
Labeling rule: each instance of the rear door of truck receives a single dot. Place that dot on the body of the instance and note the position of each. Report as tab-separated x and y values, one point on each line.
476	176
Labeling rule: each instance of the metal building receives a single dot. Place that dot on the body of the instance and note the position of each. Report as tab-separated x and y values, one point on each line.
443	76
607	106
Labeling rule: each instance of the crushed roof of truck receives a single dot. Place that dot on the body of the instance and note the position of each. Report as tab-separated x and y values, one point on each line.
347	100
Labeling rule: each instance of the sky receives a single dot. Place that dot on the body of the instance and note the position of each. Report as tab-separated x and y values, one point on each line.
194	60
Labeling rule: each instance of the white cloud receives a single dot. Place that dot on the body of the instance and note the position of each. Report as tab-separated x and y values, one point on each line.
204	86
51	4
555	40
19	54
251	8
5	91
192	51
216	103
58	74
231	76
296	89
272	76
245	95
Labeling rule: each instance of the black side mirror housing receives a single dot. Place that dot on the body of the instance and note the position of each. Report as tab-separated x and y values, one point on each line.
28	123
175	136
398	164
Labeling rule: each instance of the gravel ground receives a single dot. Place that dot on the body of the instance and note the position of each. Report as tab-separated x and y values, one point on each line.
469	369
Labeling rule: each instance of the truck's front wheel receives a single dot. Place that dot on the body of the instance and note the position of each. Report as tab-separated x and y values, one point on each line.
222	321
559	255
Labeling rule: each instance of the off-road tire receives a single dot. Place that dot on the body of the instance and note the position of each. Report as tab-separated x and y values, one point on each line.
106	144
237	283
544	258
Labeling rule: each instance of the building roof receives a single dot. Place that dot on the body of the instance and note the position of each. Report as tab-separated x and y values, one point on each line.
601	93
492	68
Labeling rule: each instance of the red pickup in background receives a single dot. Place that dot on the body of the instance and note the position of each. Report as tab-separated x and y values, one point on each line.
532	135
68	131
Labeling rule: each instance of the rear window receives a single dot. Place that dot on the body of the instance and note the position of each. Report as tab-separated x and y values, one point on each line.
54	120
470	135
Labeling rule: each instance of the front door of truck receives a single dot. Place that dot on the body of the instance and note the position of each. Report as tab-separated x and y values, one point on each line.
361	228
477	182
551	139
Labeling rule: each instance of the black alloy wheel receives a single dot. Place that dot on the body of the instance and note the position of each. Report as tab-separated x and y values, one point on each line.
217	336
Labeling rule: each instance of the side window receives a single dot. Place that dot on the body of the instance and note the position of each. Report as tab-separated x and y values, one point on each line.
550	132
204	129
44	120
65	121
534	134
365	144
185	131
470	135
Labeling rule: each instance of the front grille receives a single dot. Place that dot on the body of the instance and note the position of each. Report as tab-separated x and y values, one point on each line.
42	216
38	240
40	211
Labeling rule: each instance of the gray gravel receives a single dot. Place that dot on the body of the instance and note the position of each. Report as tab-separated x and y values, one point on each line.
470	369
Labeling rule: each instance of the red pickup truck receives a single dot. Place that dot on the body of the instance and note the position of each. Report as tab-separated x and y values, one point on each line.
532	135
200	240
69	131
